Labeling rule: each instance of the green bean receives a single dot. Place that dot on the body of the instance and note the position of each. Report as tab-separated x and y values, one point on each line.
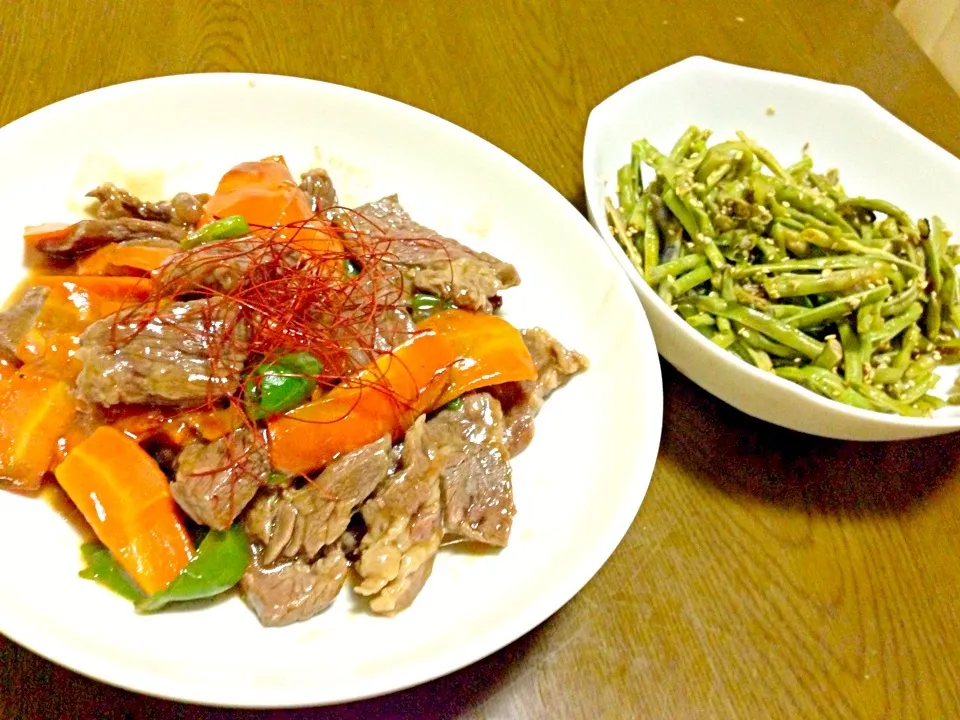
651	241
842	244
764	156
775	329
824	383
690	280
665	290
626	189
912	390
886	208
682	147
649	154
868	317
623	237
842	262
894	326
884	402
933	316
800	169
832	354
822	208
676	267
792	285
892	374
839	308
724	325
759	341
898	303
724	339
701	320
920	367
852	358
690	220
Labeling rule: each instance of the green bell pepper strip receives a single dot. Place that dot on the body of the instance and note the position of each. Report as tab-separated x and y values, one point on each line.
220	562
281	385
103	568
222	229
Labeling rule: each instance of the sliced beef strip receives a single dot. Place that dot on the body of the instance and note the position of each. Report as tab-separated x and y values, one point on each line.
215	267
165	360
475	473
183	209
433	263
319	188
366	342
404	529
215	481
88	235
17	320
298	522
522	401
296	590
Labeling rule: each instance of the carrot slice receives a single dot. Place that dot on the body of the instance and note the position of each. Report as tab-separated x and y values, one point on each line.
34	412
266	195
489	351
35	234
124	495
124	260
116	289
385	397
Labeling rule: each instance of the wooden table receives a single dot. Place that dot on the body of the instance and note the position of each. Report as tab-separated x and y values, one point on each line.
768	574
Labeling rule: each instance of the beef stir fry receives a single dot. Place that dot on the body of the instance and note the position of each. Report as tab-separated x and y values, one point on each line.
263	389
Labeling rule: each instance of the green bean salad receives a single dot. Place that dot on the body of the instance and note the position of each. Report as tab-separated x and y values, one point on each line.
847	296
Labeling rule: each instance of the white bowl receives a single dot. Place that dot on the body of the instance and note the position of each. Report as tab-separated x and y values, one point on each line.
577	487
877	156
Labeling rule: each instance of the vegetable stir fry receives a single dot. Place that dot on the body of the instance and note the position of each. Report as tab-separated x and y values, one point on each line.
847	296
262	389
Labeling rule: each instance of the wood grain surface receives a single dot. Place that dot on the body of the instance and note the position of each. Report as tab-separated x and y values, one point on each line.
768	574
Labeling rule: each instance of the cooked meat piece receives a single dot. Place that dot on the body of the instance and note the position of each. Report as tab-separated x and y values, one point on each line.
367	342
215	481
319	187
88	235
183	209
475	470
17	320
217	267
293	591
404	529
299	522
431	262
163	360
522	401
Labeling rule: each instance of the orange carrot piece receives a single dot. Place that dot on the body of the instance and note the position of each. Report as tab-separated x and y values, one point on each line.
214	424
124	495
116	289
489	351
34	413
266	195
34	234
134	260
385	397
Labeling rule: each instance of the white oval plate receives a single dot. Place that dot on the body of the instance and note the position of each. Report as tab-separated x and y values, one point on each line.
577	487
877	156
